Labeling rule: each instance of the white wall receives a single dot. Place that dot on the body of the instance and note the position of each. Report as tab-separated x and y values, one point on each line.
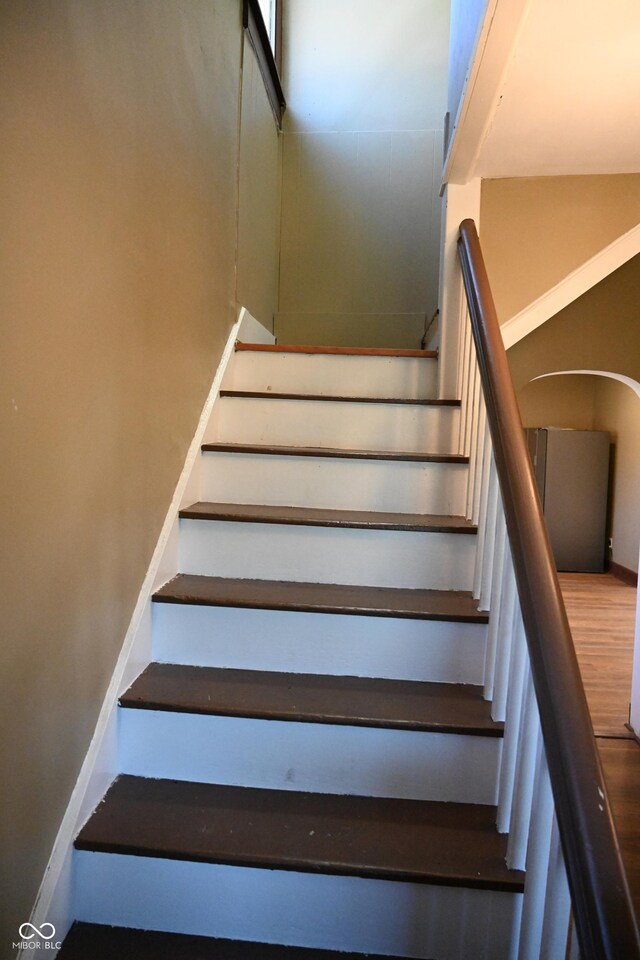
366	87
357	65
466	20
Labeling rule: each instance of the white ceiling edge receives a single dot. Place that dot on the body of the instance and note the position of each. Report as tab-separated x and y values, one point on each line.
502	25
574	285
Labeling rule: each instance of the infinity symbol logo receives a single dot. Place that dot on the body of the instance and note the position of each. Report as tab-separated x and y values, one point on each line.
25	927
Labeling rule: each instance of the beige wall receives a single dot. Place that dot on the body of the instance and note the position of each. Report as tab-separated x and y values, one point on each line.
259	213
598	331
366	84
119	180
537	230
559	402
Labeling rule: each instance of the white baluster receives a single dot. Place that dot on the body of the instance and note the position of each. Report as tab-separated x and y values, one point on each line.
557	907
528	737
487	466
497	584
504	639
464	331
464	386
474	422
493	507
469	403
481	453
515	930
535	889
515	696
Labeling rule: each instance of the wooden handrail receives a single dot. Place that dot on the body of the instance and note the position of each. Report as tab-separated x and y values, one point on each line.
602	906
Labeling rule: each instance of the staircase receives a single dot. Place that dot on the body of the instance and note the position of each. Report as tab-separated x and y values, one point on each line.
308	766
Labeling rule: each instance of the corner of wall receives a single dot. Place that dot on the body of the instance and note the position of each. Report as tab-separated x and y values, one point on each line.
460	202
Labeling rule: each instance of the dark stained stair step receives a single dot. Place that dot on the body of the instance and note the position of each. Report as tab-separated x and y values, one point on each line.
353	701
314	517
274	395
338	453
88	941
452	844
336	351
338	598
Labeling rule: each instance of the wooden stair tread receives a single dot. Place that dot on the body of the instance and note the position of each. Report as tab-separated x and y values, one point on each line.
336	351
274	395
322	598
411	840
314	517
353	701
89	941
333	452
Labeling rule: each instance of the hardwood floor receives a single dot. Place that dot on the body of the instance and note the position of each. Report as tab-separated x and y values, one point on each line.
601	611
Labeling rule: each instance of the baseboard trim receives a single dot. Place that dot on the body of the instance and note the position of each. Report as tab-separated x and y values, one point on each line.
54	900
623	573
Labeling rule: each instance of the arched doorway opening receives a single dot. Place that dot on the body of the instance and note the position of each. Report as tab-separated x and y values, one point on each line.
618	412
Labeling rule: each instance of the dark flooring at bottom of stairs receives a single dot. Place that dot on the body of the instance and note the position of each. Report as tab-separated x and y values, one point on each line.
87	941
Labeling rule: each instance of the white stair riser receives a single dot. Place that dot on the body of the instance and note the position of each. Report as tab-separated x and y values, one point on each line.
341	484
302	909
315	757
331	644
328	423
385	558
409	378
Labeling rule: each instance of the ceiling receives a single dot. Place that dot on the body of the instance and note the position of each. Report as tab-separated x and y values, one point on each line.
570	96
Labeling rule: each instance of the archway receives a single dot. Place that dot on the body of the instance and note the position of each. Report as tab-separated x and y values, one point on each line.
633	385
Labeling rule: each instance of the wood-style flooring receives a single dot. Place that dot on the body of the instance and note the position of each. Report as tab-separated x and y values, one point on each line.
601	611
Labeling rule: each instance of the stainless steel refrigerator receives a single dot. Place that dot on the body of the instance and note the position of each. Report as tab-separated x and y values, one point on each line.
572	474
